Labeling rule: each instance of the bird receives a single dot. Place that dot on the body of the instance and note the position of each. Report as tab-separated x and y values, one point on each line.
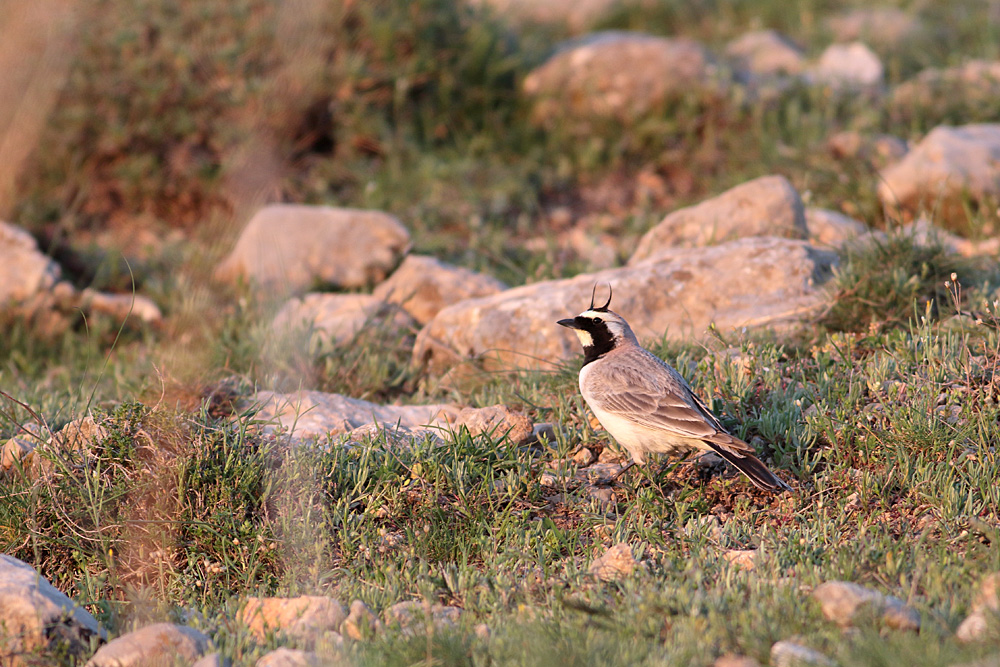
645	404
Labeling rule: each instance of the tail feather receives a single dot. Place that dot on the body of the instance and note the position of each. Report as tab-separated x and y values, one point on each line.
752	467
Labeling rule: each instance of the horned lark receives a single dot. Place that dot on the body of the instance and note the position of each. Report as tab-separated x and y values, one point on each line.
645	404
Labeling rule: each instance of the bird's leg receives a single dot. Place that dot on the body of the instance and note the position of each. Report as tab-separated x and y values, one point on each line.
614	478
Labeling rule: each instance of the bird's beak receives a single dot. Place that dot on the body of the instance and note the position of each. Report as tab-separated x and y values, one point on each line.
569	323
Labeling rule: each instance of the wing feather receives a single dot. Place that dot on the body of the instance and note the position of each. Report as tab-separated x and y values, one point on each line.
658	397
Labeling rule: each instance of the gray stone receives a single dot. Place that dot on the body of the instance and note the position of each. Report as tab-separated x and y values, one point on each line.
765	53
291	248
948	166
304	618
849	67
24	271
793	654
843	601
766	206
334	319
315	414
617	562
618	75
157	644
36	617
758	282
985	610
422	286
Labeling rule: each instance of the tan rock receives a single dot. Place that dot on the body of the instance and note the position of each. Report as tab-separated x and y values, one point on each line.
842	601
334	319
290	657
422	286
758	282
361	623
16	449
121	306
618	75
831	229
949	166
617	562
315	414
305	618
290	248
975	81
735	661
498	421
880	150
73	441
161	644
36	617
985	610
745	559
876	25
765	53
766	206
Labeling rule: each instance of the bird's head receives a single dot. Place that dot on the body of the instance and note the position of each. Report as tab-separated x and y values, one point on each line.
599	329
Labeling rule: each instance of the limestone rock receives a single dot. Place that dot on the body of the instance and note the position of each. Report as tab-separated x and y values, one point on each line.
36	617
24	271
888	26
121	306
16	449
842	601
315	414
617	562
498	421
793	654
157	644
334	319
304	618
290	657
291	248
765	53
745	559
213	660
985	608
74	440
735	661
575	14
754	282
831	229
950	164
619	75
361	623
849	67
423	286
766	206
411	616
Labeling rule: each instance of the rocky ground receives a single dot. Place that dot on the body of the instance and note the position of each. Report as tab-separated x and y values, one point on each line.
281	382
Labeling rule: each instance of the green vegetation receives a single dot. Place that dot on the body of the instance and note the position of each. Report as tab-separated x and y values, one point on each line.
884	416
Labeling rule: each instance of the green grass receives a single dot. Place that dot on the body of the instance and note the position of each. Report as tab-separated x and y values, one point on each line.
882	417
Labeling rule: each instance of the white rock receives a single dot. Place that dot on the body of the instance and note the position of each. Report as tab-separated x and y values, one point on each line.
617	562
157	644
24	271
290	657
832	229
290	248
334	319
36	617
618	75
793	654
314	414
853	67
766	206
842	601
950	164
758	282
422	286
